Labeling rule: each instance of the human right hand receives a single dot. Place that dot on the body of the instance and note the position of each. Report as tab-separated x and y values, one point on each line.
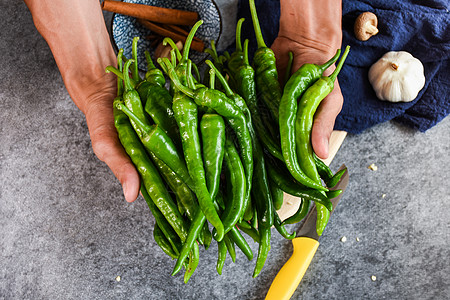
81	46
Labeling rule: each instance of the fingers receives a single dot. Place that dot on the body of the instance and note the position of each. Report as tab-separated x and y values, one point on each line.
324	120
108	149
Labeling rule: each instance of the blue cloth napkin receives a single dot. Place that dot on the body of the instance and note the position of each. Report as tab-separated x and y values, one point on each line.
421	28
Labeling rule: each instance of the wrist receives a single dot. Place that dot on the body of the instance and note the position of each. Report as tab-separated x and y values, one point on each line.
77	36
312	24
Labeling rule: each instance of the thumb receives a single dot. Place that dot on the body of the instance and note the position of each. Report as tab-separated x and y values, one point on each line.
324	120
107	147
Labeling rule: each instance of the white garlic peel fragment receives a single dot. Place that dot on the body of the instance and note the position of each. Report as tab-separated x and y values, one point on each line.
397	77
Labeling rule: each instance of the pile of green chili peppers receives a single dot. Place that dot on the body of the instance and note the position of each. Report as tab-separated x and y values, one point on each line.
213	165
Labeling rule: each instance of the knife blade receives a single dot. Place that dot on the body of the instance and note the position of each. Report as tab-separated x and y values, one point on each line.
305	247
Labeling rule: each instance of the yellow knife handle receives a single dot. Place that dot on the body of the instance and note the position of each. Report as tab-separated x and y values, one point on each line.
290	275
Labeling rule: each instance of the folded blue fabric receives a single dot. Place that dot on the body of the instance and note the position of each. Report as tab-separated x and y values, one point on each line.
421	28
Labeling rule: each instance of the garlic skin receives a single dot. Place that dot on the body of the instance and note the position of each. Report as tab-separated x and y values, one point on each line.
397	77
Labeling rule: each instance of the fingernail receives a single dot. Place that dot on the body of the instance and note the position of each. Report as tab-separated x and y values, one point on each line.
325	146
124	188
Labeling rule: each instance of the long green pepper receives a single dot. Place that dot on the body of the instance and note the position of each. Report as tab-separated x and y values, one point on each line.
219	102
187	119
294	88
308	104
266	74
157	141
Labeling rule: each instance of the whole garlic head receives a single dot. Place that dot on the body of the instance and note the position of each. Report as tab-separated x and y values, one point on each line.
397	77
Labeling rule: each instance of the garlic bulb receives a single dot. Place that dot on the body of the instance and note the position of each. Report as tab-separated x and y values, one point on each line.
397	77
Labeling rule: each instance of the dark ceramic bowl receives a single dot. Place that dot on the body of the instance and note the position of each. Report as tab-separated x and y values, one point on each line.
125	28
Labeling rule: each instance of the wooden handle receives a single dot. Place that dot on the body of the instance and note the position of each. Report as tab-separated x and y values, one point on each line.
151	13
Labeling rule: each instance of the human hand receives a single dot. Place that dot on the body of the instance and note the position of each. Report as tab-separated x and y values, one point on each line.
330	107
311	30
81	46
98	110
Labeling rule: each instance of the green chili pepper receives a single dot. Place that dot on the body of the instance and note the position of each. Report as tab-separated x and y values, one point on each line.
260	184
225	107
301	212
240	241
287	74
324	171
294	88
193	262
249	230
266	74
237	56
135	69
277	196
153	75
170	235
230	247
335	179
307	106
245	87
132	100
212	129
213	135
149	175
222	255
157	141
162	242
194	230
286	183
235	206
183	193
185	111
263	249
281	229
259	173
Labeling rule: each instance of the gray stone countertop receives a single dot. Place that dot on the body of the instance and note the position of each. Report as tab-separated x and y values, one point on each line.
67	233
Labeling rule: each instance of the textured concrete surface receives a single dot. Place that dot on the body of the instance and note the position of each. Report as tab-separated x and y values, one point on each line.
67	233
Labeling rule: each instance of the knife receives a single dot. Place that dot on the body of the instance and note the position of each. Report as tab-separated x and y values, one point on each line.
305	246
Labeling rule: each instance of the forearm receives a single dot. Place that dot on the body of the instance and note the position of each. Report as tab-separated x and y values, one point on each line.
315	23
76	34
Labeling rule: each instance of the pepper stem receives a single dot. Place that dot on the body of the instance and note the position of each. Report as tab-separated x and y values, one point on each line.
246	61
148	58
121	106
196	71
169	41
168	68
287	74
222	79
212	78
126	75
189	78
119	74
238	34
135	70
189	39
330	62
256	26
213	52
340	64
